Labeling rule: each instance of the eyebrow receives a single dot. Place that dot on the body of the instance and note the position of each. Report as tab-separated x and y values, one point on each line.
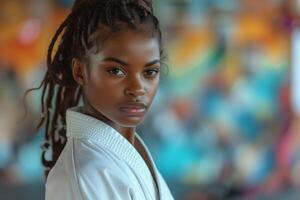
117	60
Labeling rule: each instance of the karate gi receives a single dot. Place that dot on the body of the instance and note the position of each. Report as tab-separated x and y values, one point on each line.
98	163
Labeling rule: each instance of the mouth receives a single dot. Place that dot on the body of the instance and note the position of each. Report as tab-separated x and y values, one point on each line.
133	109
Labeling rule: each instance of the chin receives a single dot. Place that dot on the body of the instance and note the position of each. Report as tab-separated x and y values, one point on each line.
131	121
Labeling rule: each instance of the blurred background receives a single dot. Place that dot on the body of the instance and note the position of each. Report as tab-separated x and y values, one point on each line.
225	123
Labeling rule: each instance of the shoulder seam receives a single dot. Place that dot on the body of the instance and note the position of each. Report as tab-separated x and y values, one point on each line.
74	170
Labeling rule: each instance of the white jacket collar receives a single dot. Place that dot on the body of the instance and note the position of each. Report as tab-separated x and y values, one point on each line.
82	126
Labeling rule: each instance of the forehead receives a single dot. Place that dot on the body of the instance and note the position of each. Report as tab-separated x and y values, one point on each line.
127	42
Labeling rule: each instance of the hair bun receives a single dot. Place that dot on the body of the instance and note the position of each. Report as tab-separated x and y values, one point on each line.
147	4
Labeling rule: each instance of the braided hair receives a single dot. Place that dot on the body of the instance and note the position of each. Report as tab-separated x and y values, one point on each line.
59	89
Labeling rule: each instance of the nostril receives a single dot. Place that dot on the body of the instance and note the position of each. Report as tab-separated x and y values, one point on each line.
135	93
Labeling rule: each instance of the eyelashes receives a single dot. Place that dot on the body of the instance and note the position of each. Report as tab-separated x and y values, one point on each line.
154	72
116	71
119	72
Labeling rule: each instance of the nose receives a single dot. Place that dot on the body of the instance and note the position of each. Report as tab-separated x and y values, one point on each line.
135	87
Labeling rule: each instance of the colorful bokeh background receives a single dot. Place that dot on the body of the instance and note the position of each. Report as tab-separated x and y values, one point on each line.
225	123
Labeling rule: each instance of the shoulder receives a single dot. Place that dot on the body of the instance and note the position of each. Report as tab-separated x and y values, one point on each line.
99	173
84	157
89	156
91	170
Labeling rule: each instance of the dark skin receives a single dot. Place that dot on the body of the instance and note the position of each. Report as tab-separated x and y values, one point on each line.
125	70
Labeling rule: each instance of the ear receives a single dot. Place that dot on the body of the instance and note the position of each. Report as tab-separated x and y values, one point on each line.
78	71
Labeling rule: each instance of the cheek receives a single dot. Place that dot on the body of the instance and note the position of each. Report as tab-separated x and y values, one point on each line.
96	82
101	90
152	87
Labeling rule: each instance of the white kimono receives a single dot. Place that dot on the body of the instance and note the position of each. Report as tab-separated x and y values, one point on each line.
98	163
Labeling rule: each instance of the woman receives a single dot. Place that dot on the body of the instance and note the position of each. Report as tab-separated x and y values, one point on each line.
110	54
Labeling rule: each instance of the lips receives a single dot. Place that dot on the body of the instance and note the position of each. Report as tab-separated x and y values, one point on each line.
133	109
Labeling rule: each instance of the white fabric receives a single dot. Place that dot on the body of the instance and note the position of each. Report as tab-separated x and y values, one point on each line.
295	71
98	163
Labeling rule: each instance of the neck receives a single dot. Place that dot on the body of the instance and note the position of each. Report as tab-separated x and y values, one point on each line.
127	132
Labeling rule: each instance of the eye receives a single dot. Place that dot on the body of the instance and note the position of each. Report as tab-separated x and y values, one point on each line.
116	71
152	72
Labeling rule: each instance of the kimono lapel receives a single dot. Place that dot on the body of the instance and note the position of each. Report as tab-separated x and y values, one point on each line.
80	125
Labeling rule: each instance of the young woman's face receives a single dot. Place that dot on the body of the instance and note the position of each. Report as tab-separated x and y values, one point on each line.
122	78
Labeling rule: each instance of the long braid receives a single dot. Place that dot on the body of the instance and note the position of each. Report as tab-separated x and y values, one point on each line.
59	89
